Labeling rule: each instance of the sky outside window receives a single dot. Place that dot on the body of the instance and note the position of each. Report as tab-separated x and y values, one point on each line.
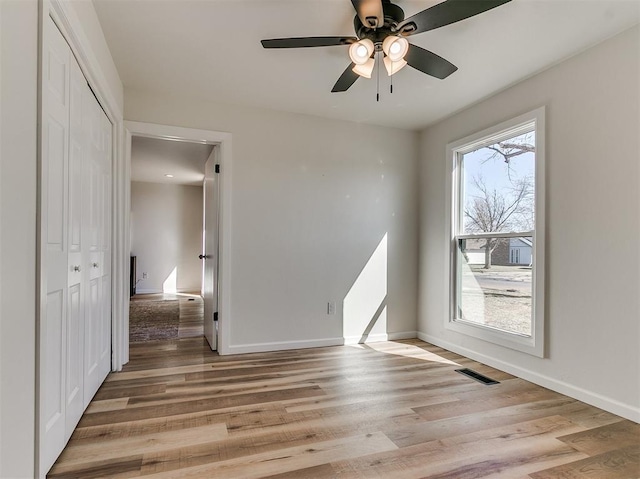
486	173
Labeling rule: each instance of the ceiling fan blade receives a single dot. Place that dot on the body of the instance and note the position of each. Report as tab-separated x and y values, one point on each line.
446	13
369	12
345	81
429	63
303	42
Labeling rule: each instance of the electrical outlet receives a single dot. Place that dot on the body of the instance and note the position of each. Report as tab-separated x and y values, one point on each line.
145	275
331	307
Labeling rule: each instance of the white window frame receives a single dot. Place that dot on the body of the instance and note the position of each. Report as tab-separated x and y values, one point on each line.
534	344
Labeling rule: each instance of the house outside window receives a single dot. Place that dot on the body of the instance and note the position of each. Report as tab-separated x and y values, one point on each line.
496	234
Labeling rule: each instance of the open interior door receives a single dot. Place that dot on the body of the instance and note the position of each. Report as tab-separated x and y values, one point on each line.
209	254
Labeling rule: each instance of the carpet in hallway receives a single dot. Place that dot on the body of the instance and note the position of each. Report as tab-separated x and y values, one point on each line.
153	320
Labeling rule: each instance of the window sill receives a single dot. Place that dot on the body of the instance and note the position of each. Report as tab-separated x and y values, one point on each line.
525	344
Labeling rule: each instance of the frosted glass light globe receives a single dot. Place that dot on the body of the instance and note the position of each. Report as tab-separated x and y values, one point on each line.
395	47
360	52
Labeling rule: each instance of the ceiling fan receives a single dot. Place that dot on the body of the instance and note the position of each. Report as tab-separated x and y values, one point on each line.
380	26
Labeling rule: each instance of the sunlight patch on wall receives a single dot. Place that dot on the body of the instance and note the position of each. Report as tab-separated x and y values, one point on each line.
170	284
364	307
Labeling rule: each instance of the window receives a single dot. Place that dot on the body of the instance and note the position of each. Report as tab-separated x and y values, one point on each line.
496	238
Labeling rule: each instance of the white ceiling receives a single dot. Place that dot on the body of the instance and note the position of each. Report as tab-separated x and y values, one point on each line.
210	50
152	159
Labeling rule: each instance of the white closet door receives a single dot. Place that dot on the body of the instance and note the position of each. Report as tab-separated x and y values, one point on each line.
77	260
97	221
55	275
75	226
104	265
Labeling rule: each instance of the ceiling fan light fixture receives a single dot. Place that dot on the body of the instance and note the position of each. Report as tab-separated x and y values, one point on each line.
394	67
395	47
365	69
381	25
360	51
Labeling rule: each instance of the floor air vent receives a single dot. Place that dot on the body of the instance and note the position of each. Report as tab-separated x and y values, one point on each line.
477	376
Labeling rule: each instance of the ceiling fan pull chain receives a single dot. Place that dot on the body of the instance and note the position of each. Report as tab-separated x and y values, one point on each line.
377	76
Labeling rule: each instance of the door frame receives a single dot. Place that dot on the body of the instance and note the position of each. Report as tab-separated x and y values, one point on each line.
222	145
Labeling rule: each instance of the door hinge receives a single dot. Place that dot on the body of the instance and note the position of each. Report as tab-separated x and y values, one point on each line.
215	316
217	168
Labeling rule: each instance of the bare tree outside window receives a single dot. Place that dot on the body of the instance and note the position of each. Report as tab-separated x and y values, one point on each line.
505	204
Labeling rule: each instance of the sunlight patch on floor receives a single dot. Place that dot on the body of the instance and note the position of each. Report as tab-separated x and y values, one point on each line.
406	350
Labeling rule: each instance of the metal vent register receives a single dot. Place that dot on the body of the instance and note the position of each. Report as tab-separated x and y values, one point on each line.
477	376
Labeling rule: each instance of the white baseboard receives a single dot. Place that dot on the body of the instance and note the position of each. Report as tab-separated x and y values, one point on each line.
402	335
148	291
608	404
376	338
159	291
315	343
372	338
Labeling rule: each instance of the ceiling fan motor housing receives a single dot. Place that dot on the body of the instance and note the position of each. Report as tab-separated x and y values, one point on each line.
393	15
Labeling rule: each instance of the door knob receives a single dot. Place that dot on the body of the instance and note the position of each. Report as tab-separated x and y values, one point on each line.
95	265
203	256
76	269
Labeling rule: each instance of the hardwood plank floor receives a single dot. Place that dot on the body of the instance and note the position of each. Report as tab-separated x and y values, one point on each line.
384	410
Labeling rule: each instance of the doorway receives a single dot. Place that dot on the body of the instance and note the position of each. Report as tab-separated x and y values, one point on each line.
167	193
212	149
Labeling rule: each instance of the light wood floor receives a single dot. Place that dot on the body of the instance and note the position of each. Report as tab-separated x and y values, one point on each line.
384	410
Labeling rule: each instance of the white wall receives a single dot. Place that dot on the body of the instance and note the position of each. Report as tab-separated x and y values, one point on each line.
312	199
593	206
18	122
166	233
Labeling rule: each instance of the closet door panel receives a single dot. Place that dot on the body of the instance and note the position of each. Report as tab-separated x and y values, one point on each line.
107	196
77	256
105	259
56	58
56	147
77	147
95	197
74	360
93	315
98	321
105	333
54	344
